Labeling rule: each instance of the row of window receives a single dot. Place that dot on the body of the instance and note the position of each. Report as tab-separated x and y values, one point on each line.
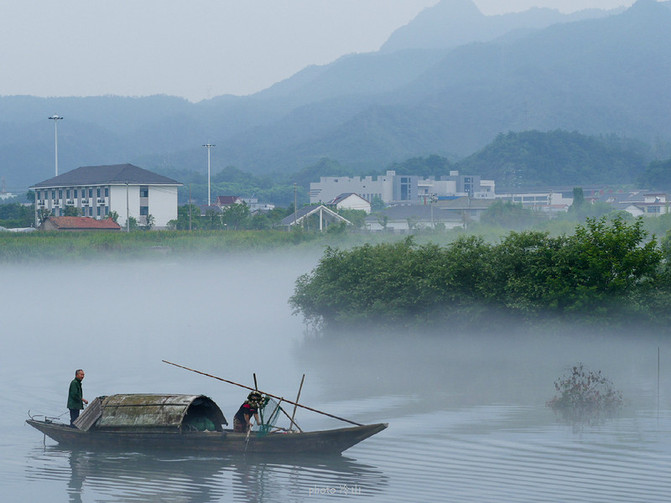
71	193
75	193
100	211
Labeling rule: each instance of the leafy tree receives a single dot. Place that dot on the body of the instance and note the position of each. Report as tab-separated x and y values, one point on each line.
606	270
114	216
71	211
42	215
236	216
131	224
377	204
188	215
337	228
535	158
260	221
16	215
578	198
657	175
357	217
212	219
149	222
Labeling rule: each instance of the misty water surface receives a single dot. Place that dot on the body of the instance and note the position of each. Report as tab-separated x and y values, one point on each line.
467	413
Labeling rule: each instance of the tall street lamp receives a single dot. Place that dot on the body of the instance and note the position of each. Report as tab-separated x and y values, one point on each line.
56	118
208	146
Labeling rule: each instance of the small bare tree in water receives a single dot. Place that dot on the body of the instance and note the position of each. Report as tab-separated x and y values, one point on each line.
585	397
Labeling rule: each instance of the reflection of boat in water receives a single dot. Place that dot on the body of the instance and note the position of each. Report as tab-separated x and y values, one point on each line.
190	423
171	476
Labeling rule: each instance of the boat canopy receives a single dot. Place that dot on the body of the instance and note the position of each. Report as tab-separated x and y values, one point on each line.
144	412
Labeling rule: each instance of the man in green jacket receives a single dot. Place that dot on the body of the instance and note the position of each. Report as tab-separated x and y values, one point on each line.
76	398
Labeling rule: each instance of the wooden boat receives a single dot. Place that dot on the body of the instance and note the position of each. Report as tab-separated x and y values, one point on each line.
192	423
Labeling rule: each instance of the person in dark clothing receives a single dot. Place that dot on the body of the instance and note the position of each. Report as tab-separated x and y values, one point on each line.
76	398
242	421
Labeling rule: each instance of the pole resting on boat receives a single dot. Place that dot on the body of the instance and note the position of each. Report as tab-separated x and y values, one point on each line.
268	394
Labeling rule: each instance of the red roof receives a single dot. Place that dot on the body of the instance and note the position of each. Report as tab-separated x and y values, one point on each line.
83	223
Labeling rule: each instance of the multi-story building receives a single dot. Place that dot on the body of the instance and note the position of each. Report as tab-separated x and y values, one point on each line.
392	188
98	190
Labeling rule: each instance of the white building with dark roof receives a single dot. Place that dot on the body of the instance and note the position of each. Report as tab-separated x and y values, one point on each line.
98	190
351	201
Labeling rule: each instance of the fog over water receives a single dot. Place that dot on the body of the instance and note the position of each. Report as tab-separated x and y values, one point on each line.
467	413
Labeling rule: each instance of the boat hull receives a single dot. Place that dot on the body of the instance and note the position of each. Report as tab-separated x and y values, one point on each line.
227	442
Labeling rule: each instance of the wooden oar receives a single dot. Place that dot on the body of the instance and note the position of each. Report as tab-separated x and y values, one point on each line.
268	394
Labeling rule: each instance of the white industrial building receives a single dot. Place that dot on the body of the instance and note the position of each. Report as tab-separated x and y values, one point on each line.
96	191
392	188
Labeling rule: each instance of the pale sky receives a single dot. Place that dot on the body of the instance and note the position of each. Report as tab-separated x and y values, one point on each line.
197	48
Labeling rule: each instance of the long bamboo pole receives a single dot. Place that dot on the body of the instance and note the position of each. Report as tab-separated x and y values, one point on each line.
298	397
268	394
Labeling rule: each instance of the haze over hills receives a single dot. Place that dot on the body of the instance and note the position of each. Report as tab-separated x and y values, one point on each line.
451	23
595	72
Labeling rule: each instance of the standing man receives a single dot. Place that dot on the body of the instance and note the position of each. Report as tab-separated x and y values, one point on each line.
76	398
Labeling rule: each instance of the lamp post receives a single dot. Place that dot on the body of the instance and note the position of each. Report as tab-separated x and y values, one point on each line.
208	146
56	118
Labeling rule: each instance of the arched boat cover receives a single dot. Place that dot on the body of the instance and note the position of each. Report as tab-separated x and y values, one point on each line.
156	412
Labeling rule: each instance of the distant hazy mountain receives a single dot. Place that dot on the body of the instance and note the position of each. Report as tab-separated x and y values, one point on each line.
597	76
447	83
451	23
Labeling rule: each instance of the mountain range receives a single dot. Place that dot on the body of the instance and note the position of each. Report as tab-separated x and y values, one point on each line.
448	83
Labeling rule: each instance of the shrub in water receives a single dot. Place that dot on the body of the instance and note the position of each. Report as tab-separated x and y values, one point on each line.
584	396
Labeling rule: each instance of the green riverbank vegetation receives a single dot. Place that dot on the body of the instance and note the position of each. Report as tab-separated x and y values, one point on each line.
606	271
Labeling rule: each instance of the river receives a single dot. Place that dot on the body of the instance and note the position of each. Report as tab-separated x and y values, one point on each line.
467	415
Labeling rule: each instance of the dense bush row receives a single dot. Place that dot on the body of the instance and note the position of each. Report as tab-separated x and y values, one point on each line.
606	270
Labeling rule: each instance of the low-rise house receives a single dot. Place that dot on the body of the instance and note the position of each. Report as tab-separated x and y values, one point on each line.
639	203
351	201
225	201
551	201
256	207
78	224
652	205
447	213
96	191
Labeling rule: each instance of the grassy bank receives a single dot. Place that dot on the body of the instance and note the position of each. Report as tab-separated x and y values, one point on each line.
40	246
96	245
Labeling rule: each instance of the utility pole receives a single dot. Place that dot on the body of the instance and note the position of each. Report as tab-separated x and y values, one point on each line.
189	207
127	210
208	146
295	207
55	118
